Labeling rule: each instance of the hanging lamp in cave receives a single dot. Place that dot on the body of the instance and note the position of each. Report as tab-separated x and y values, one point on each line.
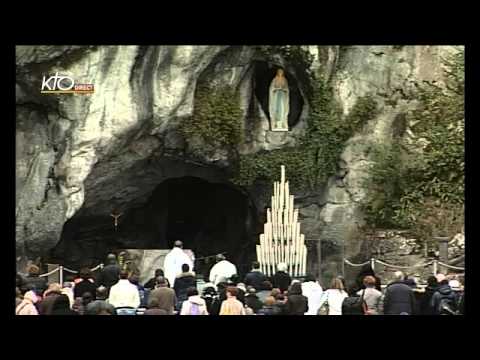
279	99
281	241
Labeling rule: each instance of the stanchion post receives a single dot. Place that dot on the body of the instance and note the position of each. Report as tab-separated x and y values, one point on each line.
61	275
435	267
372	263
443	251
101	266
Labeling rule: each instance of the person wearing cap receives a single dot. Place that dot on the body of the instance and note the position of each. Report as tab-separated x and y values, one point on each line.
223	269
174	261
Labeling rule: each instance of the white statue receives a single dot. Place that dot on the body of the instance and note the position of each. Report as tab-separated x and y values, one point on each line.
279	102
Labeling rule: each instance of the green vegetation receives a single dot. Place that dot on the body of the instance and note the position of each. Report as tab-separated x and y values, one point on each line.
421	186
216	118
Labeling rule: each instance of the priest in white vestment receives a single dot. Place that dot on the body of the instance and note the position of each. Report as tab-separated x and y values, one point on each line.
222	270
174	261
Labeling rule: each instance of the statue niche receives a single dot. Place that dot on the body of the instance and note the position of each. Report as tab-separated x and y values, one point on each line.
279	102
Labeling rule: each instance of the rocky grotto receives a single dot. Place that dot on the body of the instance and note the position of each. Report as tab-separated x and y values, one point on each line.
121	150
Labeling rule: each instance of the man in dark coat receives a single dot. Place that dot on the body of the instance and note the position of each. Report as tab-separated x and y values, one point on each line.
255	278
399	298
182	282
110	273
281	279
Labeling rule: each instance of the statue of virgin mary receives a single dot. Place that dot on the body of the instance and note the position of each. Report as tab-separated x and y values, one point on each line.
279	102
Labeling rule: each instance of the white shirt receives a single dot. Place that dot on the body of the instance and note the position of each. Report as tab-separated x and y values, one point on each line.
313	291
335	299
124	293
173	264
222	270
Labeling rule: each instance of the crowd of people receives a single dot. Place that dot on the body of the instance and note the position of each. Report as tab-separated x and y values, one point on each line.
116	292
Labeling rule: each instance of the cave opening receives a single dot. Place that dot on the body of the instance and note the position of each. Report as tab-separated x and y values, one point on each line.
263	75
209	218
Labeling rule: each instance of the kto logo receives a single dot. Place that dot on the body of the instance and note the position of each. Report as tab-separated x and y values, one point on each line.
60	84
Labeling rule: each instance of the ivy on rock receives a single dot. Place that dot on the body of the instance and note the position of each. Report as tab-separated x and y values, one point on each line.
420	185
217	118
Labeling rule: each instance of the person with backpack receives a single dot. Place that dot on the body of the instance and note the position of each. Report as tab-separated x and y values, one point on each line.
194	305
332	299
399	297
373	298
444	301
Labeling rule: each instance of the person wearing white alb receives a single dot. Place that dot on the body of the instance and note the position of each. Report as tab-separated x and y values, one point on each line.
124	293
313	291
223	269
335	296
174	261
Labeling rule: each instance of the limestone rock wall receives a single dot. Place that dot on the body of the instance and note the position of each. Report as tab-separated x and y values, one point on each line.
91	152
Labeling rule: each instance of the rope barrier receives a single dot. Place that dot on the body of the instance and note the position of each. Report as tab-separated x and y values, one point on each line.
50	273
96	267
99	266
70	270
403	267
352	264
450	266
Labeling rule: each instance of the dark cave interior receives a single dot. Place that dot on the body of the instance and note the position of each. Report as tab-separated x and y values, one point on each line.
208	217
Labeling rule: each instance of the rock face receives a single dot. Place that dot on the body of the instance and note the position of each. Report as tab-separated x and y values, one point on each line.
86	155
